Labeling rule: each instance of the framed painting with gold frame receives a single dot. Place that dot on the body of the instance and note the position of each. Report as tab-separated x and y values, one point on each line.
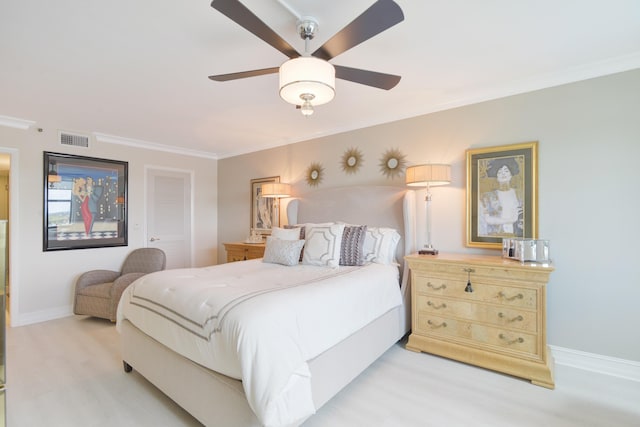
502	194
264	215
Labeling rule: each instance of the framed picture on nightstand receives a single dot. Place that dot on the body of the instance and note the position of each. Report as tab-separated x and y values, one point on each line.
264	215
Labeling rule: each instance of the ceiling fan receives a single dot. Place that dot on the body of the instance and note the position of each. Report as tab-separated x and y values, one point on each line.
309	79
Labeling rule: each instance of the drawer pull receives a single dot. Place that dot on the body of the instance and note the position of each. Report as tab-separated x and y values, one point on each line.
518	340
505	297
437	307
518	318
434	325
436	288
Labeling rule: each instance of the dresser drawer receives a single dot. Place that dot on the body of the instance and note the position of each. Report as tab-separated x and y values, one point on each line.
244	251
496	294
489	338
236	256
499	316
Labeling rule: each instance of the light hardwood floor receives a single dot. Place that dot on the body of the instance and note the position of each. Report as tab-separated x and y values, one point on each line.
68	372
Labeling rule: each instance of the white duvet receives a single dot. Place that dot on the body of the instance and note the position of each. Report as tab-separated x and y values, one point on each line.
261	322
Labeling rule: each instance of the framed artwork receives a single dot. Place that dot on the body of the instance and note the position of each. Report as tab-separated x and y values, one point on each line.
85	202
264	215
502	194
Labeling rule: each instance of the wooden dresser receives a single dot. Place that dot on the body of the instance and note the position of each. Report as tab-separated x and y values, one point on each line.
240	251
497	321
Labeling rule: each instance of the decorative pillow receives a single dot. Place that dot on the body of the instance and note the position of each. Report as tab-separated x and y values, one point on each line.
352	247
286	233
322	244
301	227
285	252
380	245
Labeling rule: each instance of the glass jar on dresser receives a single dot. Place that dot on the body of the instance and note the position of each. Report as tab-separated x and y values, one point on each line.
483	310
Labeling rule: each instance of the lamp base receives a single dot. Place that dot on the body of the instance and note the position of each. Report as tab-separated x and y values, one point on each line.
428	251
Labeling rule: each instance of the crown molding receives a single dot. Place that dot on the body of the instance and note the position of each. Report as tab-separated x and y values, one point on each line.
113	139
13	122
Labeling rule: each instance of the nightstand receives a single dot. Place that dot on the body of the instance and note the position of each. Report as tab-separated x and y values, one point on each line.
482	310
240	251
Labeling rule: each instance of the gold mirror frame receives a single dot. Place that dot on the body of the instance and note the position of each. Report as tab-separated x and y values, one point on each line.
351	160
392	163
315	173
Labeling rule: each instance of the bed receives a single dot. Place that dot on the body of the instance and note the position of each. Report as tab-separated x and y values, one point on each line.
222	392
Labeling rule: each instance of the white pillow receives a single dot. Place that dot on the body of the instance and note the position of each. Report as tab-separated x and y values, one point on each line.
285	233
380	245
285	252
322	244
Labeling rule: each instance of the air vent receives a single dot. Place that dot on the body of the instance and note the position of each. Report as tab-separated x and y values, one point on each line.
74	139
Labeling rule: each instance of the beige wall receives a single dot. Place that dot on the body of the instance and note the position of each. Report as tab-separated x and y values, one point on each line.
589	146
42	282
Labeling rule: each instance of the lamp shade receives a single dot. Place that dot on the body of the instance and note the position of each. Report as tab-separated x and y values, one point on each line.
304	76
276	190
428	175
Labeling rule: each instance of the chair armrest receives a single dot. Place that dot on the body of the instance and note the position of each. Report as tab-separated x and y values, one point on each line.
122	282
95	277
119	285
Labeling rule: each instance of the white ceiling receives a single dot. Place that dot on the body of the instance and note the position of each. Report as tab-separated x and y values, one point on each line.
138	69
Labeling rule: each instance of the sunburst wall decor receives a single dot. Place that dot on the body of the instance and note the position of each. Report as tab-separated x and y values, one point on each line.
351	160
392	163
314	174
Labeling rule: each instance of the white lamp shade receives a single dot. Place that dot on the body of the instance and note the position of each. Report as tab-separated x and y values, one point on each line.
307	75
428	175
276	190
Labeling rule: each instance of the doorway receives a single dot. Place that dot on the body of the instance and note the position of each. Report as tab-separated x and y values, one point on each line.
5	168
169	203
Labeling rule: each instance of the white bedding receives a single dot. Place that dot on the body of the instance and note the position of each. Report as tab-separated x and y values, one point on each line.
261	322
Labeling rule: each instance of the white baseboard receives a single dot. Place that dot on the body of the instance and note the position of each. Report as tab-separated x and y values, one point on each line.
41	316
627	369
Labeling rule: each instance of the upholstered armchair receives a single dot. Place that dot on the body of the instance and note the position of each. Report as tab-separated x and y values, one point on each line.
98	291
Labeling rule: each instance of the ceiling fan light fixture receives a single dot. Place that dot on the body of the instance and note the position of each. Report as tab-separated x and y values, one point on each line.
304	76
306	108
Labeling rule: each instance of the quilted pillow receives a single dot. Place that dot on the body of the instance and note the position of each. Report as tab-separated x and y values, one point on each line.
352	247
322	244
380	245
285	252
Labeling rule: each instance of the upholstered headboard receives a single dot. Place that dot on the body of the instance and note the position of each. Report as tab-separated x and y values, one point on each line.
377	206
374	206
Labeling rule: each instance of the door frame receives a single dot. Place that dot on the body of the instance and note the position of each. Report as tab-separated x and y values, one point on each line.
191	175
14	243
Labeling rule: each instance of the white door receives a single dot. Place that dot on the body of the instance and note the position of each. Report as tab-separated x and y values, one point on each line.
169	201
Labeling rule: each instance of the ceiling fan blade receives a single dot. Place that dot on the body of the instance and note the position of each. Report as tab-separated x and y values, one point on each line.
242	16
382	15
244	74
365	77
